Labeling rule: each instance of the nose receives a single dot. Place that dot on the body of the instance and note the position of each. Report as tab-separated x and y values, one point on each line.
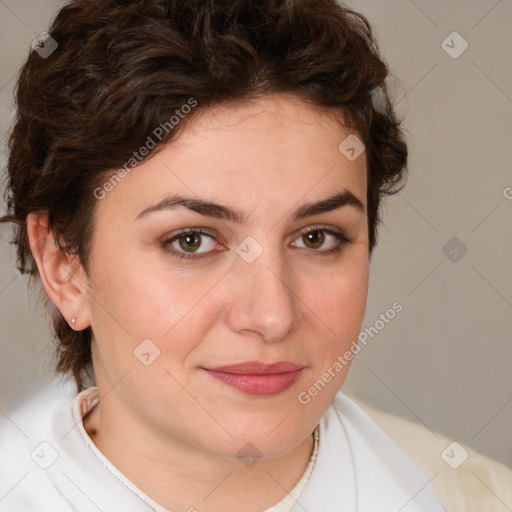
263	301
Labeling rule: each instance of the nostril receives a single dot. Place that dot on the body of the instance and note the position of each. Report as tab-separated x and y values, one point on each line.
252	333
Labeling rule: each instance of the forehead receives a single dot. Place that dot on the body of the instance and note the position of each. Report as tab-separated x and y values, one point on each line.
283	123
276	148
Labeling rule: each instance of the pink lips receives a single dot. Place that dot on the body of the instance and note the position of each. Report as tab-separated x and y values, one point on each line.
257	378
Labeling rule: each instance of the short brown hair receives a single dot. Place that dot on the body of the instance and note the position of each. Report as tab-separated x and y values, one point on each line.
122	68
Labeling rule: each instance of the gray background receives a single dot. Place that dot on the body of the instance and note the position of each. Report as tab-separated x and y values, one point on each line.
445	359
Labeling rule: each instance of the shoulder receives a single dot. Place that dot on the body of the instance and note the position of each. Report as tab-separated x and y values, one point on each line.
36	413
464	479
45	463
29	446
385	476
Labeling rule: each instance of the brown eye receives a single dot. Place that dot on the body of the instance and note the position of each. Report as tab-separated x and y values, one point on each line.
189	242
316	238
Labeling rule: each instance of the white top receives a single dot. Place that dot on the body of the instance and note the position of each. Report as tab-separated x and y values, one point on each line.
87	400
48	462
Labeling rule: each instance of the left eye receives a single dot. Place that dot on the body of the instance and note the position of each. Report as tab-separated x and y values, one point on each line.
314	238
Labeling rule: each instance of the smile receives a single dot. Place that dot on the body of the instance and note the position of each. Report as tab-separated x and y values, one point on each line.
256	378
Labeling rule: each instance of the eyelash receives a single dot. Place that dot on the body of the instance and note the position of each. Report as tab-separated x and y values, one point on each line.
339	235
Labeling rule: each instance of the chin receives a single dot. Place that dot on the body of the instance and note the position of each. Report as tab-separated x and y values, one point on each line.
269	439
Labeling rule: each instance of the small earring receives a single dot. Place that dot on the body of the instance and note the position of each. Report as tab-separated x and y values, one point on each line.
73	320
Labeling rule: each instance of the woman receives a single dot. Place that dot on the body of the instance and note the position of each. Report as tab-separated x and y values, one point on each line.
197	187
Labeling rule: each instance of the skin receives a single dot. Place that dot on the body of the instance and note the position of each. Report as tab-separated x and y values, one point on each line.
170	427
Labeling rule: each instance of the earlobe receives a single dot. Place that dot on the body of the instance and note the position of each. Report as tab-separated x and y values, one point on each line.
61	275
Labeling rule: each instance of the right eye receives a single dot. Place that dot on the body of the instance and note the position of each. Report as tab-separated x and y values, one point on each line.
186	243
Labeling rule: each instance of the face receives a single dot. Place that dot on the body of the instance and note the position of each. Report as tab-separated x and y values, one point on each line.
192	306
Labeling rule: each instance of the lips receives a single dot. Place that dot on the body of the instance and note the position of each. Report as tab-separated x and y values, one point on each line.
257	378
257	368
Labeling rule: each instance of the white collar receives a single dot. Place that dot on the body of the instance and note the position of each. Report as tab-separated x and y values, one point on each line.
86	400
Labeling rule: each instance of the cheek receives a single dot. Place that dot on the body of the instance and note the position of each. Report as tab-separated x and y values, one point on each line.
340	304
144	300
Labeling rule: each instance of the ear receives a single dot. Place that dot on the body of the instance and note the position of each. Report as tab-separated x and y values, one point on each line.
62	276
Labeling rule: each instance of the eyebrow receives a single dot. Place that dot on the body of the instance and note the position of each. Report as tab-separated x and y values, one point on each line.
218	211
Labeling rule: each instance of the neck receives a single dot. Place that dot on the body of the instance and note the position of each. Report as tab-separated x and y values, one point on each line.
181	476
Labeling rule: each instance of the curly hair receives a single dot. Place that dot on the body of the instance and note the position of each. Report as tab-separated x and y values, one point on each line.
122	66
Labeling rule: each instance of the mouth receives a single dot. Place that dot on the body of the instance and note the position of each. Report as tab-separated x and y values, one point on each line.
256	378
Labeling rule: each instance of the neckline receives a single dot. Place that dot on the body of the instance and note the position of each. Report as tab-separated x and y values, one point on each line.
87	399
